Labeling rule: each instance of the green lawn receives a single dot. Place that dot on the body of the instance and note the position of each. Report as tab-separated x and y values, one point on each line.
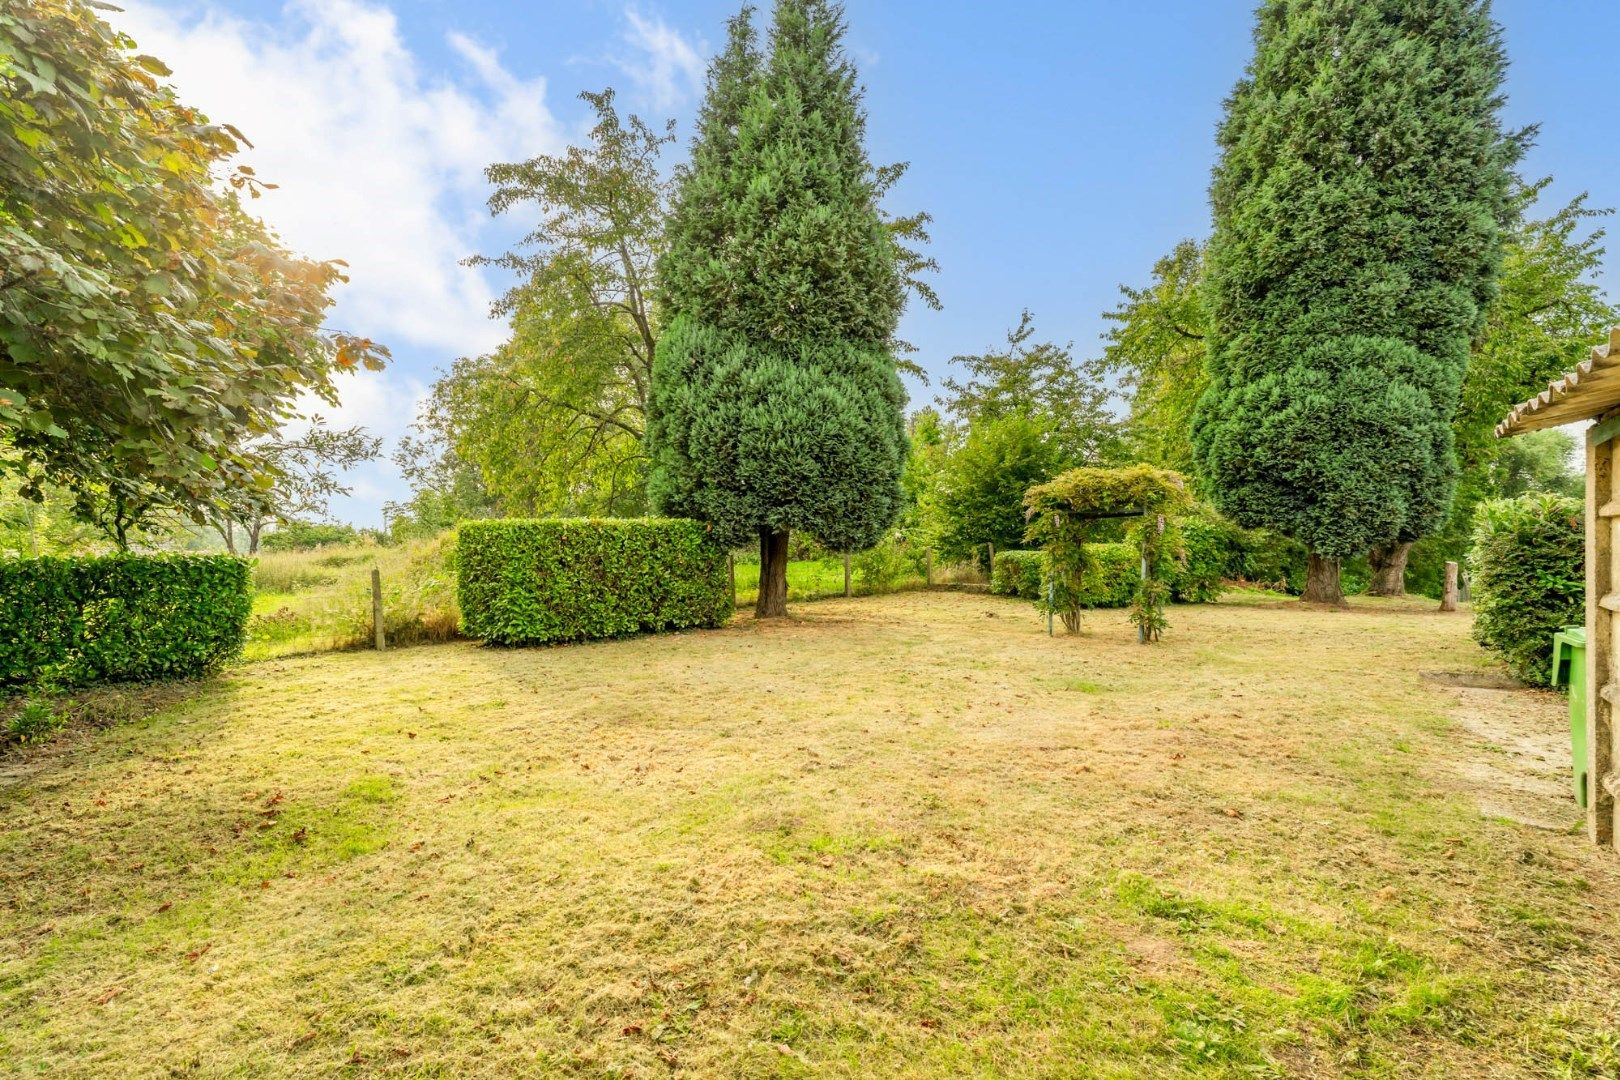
905	835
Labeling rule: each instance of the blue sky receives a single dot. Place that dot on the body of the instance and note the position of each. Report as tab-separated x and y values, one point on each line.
1061	147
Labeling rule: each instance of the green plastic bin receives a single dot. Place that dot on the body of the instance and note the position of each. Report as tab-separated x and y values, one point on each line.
1569	666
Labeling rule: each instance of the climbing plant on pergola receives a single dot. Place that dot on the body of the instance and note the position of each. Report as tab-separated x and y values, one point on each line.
1062	512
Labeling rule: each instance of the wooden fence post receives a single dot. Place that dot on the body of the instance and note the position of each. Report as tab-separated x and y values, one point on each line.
1448	602
377	609
928	570
847	591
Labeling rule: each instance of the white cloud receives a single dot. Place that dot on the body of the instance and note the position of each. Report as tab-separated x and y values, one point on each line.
379	162
669	70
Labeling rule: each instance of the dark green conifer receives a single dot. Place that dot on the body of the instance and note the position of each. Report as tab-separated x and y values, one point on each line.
776	404
1359	198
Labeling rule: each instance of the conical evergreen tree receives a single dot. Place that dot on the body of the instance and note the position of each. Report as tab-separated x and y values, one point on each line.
776	404
1358	204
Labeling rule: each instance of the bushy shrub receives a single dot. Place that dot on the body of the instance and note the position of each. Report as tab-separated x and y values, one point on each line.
527	582
1529	577
1019	573
300	535
1109	580
1117	567
880	568
76	621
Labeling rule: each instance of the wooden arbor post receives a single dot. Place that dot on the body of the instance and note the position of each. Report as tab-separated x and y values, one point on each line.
1602	611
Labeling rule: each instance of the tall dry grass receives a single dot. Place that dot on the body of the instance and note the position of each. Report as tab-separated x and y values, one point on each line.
320	600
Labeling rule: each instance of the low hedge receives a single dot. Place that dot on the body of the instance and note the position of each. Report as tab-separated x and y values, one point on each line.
76	621
1194	580
1528	566
530	582
1108	585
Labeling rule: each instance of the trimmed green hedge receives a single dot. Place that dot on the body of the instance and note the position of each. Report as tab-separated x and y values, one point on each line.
1108	585
1529	577
76	621
529	582
1117	566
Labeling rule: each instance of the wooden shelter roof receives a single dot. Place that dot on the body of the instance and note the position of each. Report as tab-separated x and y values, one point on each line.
1590	390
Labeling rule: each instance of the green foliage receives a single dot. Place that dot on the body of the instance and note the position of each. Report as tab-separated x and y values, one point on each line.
749	436
980	498
1063	512
1156	349
1529	577
76	621
776	233
1019	573
1041	382
302	535
36	720
880	567
776	403
1550	311
528	582
150	329
1359	200
552	421
1114	576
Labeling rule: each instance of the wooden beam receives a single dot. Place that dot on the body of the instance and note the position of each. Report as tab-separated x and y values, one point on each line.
1606	430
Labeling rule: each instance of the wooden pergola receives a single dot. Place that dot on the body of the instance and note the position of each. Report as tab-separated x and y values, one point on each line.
1592	392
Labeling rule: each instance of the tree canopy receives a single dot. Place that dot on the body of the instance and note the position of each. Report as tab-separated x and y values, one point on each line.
554	418
777	403
151	330
1359	200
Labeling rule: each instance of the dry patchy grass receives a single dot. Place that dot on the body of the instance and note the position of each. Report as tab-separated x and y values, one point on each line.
909	835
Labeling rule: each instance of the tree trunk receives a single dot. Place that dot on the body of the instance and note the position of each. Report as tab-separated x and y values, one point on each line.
773	560
1322	581
1389	569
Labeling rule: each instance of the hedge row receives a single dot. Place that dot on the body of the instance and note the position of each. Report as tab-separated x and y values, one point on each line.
529	582
76	621
1529	577
1113	578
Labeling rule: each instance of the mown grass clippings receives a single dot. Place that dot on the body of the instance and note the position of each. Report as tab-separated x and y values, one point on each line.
879	838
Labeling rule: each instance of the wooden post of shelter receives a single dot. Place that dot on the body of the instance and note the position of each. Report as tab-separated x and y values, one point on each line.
1592	392
377	610
1448	599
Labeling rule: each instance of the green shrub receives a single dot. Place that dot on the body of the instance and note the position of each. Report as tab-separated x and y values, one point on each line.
1206	544
1529	577
302	535
1019	573
879	568
531	582
76	621
1115	570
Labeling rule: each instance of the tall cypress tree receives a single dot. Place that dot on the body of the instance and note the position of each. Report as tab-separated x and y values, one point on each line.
1358	203
776	403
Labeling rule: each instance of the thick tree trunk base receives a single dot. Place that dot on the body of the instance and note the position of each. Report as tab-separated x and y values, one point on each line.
1322	585
773	560
1389	569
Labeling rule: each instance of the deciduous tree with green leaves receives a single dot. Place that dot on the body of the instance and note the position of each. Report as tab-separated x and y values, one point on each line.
1156	348
1041	381
776	400
554	418
152	333
1359	200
